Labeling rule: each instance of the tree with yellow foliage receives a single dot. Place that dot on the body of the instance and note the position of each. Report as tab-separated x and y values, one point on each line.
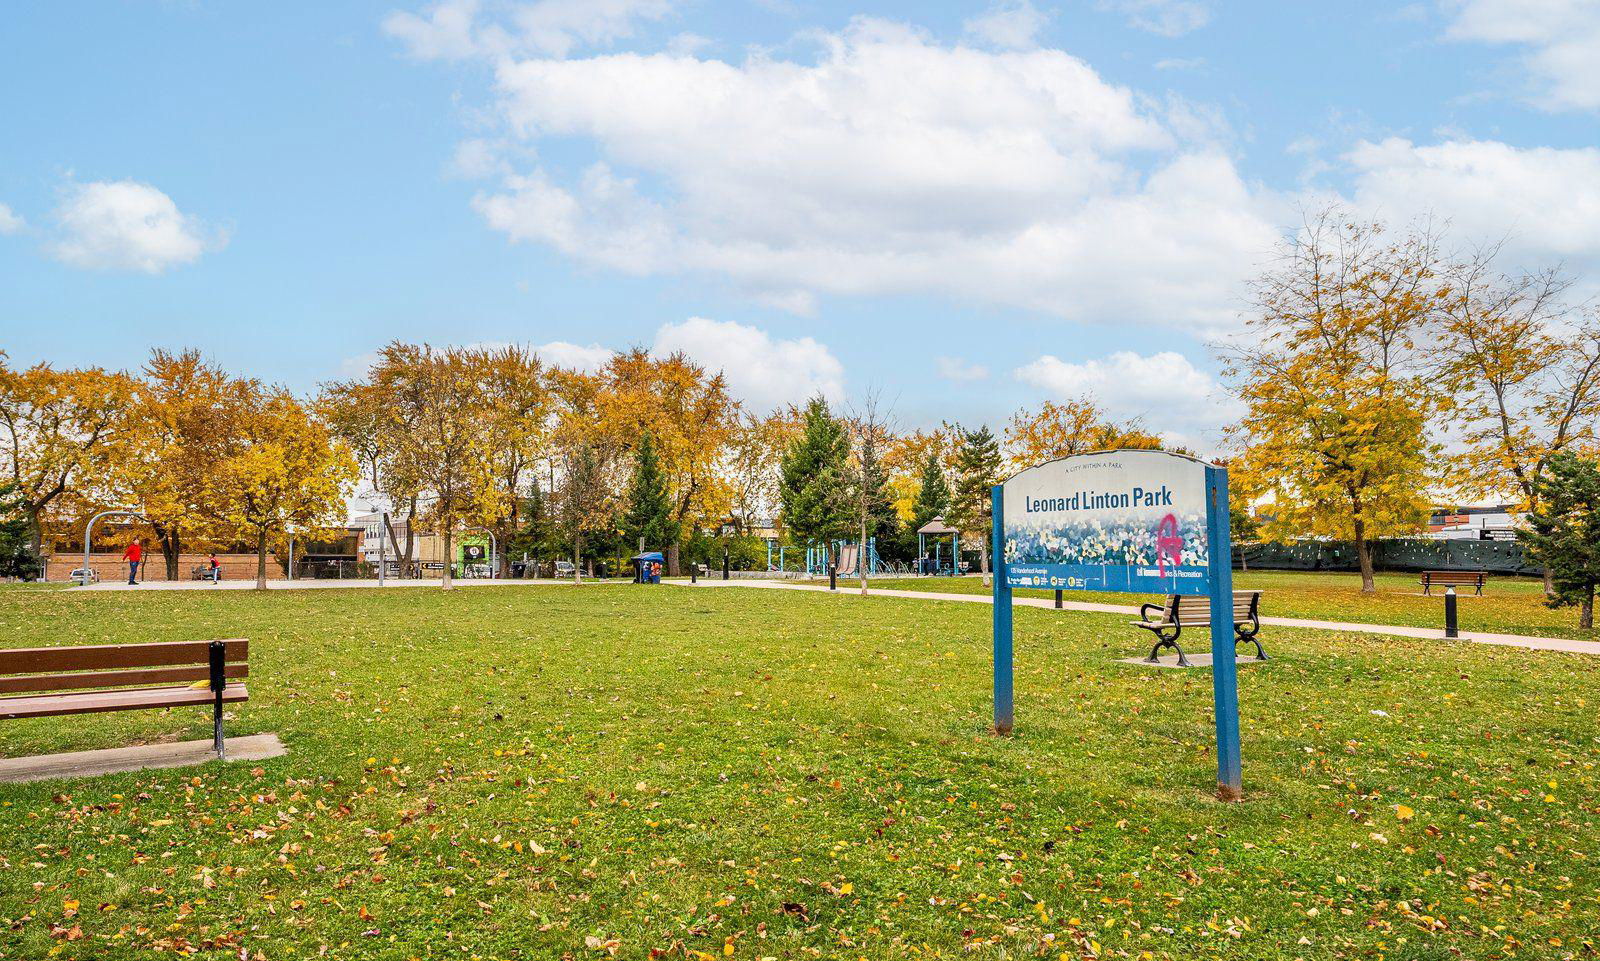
1053	430
182	419
58	431
1337	392
284	471
435	402
518	411
373	423
692	420
751	467
1524	368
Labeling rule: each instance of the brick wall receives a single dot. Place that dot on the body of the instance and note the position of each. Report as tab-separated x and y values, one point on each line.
112	566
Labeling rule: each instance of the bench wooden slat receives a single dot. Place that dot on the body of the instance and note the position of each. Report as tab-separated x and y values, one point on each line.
93	702
90	657
23	683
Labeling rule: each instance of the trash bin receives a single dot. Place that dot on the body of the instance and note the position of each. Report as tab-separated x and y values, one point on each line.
647	567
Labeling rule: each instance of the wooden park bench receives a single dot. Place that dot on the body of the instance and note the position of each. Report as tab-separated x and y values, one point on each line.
1475	579
90	679
1181	611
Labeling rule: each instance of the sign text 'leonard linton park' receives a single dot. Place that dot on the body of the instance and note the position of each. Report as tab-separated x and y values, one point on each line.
1115	521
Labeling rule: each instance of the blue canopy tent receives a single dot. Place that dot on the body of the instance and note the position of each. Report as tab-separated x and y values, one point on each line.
647	567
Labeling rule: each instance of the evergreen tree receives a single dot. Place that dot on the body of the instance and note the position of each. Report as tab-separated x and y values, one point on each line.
16	536
813	489
1566	532
649	512
536	536
977	470
933	495
882	521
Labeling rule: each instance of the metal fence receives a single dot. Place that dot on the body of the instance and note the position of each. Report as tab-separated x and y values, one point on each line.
1393	554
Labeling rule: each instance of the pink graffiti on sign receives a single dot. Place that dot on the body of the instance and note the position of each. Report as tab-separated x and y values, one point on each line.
1169	544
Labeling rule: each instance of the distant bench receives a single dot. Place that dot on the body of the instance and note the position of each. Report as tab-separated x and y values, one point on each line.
1181	611
91	679
1475	579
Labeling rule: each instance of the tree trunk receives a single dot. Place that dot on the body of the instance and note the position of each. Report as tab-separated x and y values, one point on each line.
411	537
861	555
1549	583
1364	558
171	547
1586	609
449	558
577	558
261	559
35	530
983	560
672	560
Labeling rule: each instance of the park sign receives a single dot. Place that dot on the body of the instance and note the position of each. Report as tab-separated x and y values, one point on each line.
1123	520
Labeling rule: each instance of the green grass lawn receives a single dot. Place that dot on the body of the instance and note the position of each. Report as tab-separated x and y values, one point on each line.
555	772
1509	605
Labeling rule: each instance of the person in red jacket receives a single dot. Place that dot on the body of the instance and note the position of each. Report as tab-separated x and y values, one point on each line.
215	568
134	555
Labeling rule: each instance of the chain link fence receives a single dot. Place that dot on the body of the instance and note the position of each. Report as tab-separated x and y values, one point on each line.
1393	554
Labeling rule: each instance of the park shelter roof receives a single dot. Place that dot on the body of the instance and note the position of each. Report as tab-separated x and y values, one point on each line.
937	526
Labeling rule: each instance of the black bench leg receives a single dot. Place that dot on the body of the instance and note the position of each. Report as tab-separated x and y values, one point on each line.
1261	654
1172	642
219	680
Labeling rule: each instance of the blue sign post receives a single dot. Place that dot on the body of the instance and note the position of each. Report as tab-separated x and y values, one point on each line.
1142	521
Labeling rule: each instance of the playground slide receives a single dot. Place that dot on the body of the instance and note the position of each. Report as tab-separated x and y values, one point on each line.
849	557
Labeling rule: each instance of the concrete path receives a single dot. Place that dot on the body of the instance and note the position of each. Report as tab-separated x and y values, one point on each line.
1392	630
255	747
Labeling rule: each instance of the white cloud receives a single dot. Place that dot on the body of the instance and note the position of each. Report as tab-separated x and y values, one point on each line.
575	356
477	159
10	222
1180	63
445	32
1008	24
459	29
1545	199
958	370
763	372
1561	38
126	225
889	164
1169	18
1163	389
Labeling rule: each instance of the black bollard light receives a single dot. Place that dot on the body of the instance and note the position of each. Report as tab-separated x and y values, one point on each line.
833	578
1058	600
694	568
1450	613
724	564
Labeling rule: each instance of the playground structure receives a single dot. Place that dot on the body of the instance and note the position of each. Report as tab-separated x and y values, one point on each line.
850	558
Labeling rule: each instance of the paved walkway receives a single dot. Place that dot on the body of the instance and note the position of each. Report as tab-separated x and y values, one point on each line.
308	585
1392	630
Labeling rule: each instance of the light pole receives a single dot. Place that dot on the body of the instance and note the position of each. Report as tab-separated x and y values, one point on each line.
374	503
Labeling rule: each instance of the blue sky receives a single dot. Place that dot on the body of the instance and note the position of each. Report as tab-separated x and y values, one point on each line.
970	206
